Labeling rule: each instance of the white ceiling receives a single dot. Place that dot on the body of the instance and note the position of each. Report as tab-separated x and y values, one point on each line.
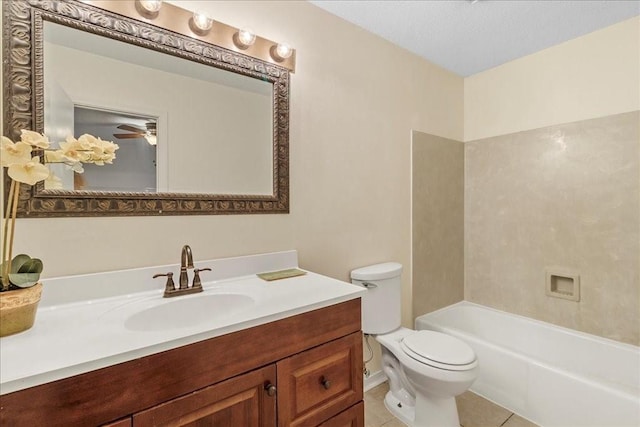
469	37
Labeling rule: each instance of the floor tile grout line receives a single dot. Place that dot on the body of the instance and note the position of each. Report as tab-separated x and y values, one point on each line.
508	418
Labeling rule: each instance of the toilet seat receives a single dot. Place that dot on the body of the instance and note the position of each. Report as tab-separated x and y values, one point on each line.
439	350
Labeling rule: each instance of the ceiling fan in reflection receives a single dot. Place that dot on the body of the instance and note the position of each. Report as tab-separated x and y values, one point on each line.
149	133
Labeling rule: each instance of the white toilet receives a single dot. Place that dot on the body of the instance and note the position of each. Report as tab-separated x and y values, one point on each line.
426	369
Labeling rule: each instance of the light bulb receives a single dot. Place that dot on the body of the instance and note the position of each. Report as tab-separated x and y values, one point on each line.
151	139
284	50
281	52
246	37
202	21
151	6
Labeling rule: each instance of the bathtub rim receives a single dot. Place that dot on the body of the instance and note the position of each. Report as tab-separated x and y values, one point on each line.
546	325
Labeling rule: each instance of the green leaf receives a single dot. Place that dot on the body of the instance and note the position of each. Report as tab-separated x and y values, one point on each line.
24	280
18	261
25	271
34	265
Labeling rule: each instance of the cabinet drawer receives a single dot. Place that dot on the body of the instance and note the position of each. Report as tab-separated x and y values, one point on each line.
318	383
352	417
240	401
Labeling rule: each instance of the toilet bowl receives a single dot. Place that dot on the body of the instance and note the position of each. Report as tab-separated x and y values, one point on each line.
433	383
425	369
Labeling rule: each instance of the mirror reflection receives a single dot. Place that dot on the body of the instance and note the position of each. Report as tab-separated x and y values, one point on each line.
211	129
135	167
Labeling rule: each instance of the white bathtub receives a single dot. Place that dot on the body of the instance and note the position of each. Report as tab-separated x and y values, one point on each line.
553	376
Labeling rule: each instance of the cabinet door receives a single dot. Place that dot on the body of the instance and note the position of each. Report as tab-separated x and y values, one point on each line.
319	383
352	417
239	401
125	422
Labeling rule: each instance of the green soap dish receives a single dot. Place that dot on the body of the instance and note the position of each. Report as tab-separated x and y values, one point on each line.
281	274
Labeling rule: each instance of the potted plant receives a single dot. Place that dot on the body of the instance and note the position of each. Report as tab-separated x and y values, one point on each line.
20	289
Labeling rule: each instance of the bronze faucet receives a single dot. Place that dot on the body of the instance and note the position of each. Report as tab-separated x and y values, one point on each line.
186	262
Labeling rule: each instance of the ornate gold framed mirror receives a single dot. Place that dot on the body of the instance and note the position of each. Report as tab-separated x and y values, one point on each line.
229	157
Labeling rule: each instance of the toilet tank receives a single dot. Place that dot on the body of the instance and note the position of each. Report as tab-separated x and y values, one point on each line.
381	305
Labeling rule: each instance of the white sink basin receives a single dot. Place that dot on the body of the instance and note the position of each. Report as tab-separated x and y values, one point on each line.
188	312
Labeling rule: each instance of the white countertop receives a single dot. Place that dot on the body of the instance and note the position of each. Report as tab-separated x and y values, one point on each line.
79	336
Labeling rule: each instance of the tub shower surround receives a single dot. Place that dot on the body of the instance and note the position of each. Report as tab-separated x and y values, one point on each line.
561	197
437	222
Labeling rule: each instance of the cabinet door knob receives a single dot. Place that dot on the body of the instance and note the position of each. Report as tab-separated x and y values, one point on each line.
326	383
270	389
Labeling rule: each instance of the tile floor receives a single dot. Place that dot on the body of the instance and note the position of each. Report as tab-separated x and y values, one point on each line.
474	411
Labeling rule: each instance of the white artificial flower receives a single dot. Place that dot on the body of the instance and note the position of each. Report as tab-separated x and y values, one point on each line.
101	151
22	167
88	142
29	173
34	139
77	167
73	150
14	152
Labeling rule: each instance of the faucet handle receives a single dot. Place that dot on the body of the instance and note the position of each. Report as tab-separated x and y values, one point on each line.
169	286
196	277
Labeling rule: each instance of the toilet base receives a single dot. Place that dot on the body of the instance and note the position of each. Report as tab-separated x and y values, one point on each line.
437	412
402	411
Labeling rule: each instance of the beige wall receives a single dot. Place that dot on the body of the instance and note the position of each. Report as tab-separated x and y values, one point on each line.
354	100
592	76
437	222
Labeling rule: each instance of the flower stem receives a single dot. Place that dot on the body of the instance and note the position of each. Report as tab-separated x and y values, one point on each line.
14	207
6	252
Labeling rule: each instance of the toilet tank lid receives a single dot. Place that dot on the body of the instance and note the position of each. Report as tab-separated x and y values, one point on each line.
385	270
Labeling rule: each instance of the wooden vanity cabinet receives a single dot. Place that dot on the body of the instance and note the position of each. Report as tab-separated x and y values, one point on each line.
313	359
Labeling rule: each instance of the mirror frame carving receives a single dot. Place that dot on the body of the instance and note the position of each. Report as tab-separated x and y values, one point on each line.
23	97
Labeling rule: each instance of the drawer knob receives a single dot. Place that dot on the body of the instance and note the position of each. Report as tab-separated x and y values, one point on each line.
270	389
326	383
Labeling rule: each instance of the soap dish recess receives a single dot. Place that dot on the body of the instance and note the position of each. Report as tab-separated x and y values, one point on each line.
563	284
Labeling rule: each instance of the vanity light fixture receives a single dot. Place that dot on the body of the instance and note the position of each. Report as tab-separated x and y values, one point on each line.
281	51
199	24
202	22
151	6
244	38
